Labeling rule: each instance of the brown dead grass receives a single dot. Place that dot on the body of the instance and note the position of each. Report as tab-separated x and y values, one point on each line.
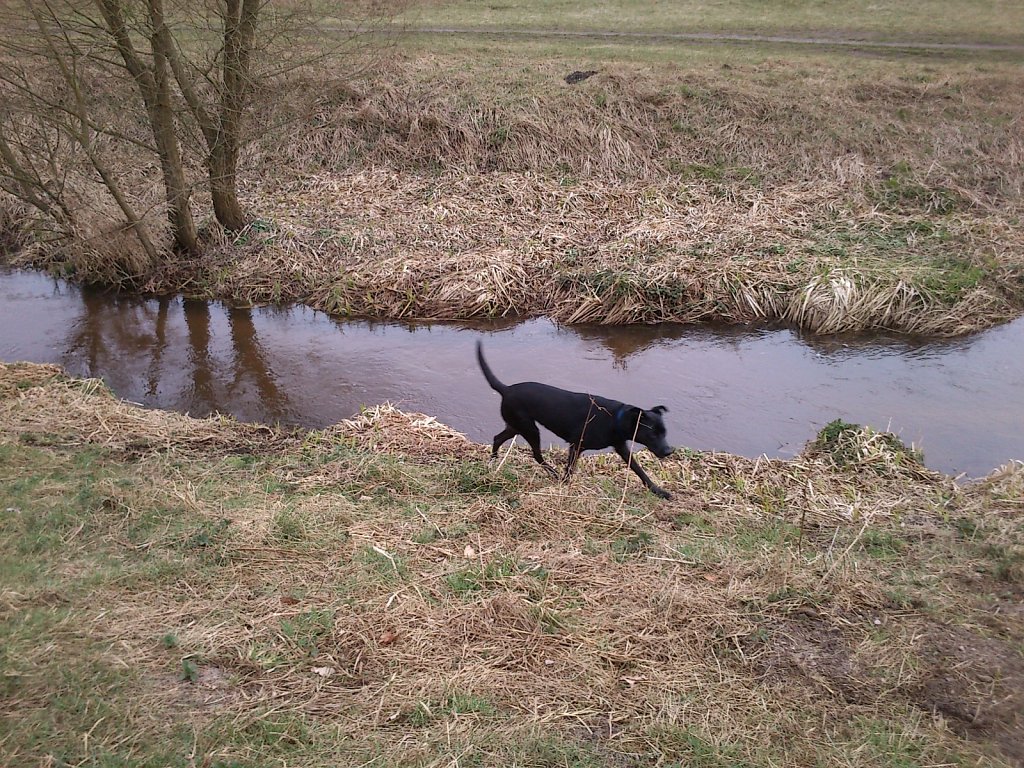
43	390
397	591
507	245
827	194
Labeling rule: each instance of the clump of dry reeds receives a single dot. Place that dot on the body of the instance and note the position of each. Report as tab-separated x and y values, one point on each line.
385	429
852	446
40	404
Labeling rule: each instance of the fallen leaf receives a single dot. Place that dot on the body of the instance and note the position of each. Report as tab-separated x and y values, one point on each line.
388	638
323	671
289	600
470	552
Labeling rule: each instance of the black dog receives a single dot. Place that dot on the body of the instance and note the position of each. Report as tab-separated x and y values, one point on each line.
585	422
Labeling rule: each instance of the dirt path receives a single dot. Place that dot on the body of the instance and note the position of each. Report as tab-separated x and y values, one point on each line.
714	37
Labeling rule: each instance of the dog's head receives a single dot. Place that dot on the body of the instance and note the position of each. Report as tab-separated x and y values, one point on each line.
650	429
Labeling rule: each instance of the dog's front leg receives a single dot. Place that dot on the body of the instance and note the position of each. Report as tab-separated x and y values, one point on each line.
628	457
570	464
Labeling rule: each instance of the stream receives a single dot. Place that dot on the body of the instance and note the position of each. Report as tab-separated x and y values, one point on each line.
748	391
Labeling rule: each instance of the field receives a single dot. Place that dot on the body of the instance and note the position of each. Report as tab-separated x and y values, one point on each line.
937	21
182	592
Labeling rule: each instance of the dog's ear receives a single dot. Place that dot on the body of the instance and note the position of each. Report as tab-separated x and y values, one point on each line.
659	409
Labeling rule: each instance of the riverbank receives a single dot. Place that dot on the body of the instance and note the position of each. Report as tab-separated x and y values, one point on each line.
826	192
180	590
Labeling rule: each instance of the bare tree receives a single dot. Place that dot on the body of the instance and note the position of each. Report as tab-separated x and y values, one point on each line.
48	70
222	129
192	68
154	85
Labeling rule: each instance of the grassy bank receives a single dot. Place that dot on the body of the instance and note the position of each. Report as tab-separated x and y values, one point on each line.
201	592
465	178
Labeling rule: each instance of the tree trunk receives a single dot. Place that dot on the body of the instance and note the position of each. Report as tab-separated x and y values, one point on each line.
161	116
223	188
239	35
176	190
154	86
222	129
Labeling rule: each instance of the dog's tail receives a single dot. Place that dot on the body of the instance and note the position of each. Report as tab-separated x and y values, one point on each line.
496	385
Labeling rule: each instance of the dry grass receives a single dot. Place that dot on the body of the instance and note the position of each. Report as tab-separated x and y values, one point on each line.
829	194
375	593
504	245
121	426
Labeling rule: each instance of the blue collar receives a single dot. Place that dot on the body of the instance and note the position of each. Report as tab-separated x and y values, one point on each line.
619	414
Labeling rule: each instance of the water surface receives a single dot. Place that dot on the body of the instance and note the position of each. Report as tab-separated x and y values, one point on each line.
745	391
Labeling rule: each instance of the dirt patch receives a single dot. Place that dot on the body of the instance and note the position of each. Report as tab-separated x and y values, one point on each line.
973	681
823	656
207	690
977	684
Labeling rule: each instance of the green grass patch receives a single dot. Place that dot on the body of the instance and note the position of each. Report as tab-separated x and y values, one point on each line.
774	534
882	544
890	747
949	279
631	546
381	566
495	574
308	631
692	521
691	747
708	553
475	477
930	20
901	191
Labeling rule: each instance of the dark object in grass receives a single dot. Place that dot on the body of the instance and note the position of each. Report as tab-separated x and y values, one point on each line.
586	422
579	76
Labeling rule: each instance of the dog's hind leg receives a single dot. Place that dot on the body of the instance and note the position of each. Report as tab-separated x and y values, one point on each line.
500	438
531	434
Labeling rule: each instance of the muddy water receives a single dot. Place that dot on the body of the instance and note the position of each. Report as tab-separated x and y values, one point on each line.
738	390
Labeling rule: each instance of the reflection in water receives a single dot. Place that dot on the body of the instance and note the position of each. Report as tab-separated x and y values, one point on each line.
627	341
251	360
732	389
882	344
197	320
164	352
